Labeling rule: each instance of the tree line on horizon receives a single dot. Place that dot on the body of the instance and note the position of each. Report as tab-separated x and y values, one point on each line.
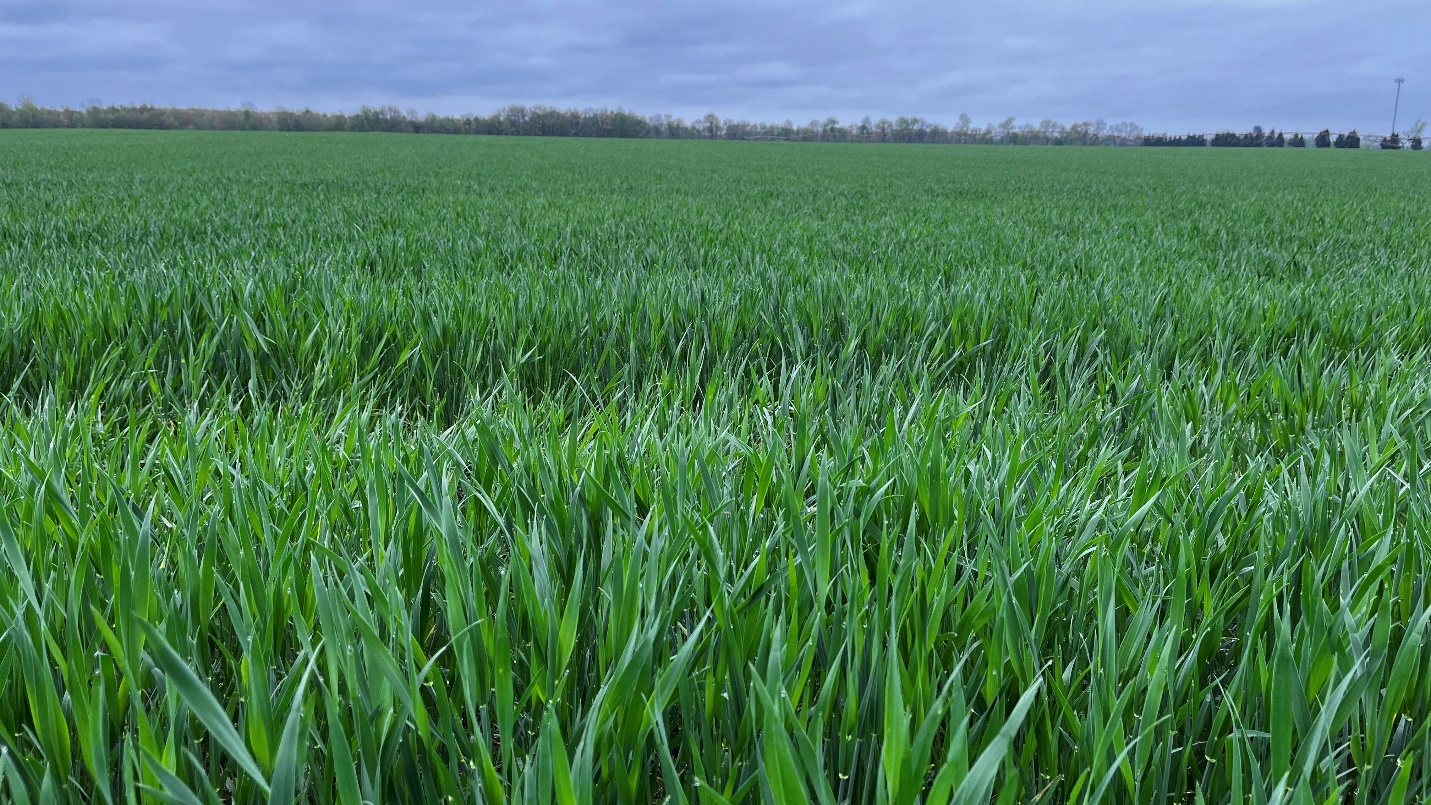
1277	139
543	121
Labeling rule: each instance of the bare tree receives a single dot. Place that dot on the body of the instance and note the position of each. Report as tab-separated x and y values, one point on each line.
964	128
1051	129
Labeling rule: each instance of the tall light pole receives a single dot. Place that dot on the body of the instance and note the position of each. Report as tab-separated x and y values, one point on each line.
1397	107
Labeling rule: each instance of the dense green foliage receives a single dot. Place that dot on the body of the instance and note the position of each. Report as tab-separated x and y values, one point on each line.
1251	139
357	466
1184	141
1349	140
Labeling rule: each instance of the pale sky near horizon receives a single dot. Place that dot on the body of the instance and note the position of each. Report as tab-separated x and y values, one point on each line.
1174	65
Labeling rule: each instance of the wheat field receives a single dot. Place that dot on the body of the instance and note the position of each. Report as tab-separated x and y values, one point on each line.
368	468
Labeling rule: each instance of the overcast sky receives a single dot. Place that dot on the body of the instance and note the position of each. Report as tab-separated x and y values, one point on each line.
1170	65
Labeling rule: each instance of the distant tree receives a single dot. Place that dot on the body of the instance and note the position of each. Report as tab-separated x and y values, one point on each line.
1392	143
1188	141
26	114
1297	141
712	125
904	129
1125	132
1006	127
1324	139
1078	133
626	124
831	129
966	123
1350	140
366	119
1415	143
1278	141
883	129
1226	139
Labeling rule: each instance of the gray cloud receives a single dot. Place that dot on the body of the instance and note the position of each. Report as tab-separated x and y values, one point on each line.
1175	65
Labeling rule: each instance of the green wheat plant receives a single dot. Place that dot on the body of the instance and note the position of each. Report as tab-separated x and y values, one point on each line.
353	468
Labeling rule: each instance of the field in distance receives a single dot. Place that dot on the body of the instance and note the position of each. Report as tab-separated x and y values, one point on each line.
347	468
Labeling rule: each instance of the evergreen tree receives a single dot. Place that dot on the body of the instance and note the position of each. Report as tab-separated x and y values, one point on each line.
1349	140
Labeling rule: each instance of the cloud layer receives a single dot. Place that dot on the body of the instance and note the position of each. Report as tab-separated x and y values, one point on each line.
1174	65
